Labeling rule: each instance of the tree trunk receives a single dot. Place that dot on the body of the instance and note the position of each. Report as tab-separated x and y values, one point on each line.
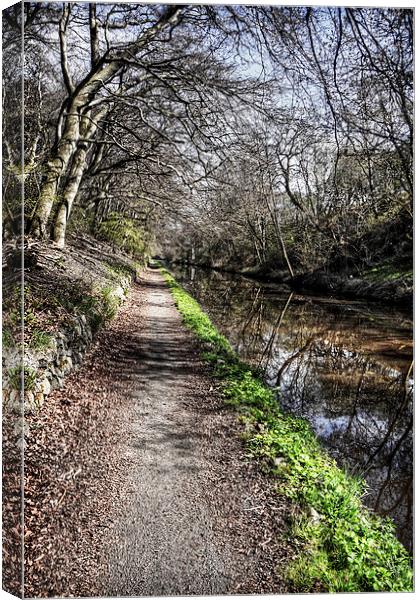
69	195
274	218
98	206
87	131
56	166
102	73
285	255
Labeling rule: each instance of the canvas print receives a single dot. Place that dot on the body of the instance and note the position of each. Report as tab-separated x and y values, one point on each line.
207	299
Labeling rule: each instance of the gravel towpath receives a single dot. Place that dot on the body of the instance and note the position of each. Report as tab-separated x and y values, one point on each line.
167	503
165	541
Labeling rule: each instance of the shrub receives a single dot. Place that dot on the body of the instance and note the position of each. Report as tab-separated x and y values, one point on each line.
123	233
40	339
7	338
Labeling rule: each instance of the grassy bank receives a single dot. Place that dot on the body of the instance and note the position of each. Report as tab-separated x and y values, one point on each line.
342	546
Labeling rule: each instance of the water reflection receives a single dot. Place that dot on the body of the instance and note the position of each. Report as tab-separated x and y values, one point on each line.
346	366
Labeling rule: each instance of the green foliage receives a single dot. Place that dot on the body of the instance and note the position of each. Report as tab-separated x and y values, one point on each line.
34	303
125	233
110	303
387	272
99	306
154	264
7	338
40	339
45	307
29	318
15	377
15	317
12	313
119	271
347	548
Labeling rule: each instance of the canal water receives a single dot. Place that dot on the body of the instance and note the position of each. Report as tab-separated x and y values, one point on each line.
345	366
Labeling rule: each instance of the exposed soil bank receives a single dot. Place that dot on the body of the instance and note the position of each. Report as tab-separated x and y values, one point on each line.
136	478
396	291
67	297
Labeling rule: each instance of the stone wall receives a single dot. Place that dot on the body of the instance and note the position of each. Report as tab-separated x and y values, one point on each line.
46	369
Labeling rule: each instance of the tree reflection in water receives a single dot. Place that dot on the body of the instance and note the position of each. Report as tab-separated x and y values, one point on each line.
345	366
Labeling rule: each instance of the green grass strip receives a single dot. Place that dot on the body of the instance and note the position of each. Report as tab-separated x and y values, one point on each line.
343	546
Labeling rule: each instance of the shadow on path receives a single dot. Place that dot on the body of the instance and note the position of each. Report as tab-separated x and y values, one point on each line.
163	542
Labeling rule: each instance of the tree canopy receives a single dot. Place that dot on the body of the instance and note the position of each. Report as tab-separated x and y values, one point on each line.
240	133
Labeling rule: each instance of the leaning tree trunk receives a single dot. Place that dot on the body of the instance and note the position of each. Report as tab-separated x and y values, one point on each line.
69	194
285	255
102	72
87	131
55	168
66	147
98	204
275	221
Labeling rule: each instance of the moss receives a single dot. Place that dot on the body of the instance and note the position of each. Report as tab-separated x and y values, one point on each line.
40	339
119	272
15	377
125	233
110	303
387	272
347	549
7	338
102	305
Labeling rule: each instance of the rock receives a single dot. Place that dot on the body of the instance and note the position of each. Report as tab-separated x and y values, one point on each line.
119	293
77	357
57	381
70	335
279	461
66	350
53	346
57	373
66	364
314	515
45	387
61	347
78	329
29	404
39	399
47	374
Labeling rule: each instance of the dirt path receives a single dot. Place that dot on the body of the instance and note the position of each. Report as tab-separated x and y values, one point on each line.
165	542
167	503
